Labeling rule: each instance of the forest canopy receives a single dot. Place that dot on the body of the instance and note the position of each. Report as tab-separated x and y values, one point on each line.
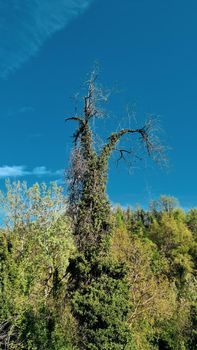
158	246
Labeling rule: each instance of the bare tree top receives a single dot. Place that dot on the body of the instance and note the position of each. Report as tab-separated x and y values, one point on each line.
147	136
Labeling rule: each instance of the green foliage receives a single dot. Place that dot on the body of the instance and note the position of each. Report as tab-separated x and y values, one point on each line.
175	240
101	306
157	248
35	246
139	293
164	204
99	288
193	330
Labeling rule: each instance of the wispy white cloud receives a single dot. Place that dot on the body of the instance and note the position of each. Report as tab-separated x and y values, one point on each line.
26	24
20	171
12	171
40	171
43	171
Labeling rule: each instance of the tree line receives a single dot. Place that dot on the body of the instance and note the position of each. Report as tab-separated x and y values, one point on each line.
152	276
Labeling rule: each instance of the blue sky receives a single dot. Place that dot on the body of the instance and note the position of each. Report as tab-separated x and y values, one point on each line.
148	47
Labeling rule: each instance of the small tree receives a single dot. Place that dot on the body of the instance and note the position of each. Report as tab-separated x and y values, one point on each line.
98	285
35	245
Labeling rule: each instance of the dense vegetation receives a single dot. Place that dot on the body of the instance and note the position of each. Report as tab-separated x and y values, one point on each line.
156	247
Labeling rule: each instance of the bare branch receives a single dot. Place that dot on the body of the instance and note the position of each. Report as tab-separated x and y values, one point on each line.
79	119
122	151
147	135
96	95
82	125
153	143
113	140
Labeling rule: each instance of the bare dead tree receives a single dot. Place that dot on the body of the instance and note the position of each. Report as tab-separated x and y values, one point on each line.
92	268
89	167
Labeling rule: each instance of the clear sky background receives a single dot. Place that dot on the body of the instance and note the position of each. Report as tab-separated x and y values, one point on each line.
148	46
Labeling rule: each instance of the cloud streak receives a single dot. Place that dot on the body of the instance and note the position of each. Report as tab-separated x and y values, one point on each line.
20	171
26	24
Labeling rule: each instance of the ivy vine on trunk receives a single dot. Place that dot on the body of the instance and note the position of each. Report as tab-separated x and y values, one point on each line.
98	285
